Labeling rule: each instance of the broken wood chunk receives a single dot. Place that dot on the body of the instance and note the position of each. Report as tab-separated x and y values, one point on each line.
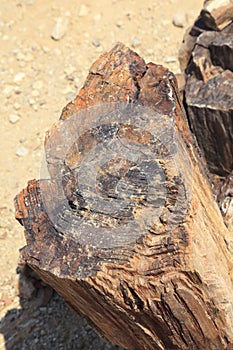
217	14
209	100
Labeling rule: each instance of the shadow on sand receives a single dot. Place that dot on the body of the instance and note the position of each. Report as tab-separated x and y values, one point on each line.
44	321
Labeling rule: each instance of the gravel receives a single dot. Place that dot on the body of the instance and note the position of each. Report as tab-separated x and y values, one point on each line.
49	327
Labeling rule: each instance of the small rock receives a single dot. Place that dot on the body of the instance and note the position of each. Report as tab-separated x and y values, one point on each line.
16	106
20	56
179	20
43	309
32	101
21	151
8	90
136	42
97	17
60	28
14	118
70	96
27	289
119	24
165	22
170	59
96	42
45	49
29	57
83	11
35	93
19	77
22	64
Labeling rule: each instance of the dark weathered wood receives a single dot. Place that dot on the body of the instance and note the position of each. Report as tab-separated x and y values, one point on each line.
217	14
206	57
221	50
209	99
125	227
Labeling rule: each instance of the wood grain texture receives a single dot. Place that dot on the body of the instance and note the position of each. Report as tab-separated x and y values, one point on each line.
168	287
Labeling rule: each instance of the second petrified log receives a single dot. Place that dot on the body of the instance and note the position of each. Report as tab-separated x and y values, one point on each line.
123	223
209	99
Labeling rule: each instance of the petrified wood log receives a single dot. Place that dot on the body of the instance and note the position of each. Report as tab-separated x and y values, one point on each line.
209	99
206	57
123	223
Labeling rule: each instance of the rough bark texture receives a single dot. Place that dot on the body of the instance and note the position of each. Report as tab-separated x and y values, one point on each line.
155	272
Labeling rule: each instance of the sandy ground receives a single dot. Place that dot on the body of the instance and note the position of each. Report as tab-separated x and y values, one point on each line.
38	76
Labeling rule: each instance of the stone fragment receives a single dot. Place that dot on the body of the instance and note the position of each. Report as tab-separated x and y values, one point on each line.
97	17
7	91
83	11
21	151
60	28
96	42
19	77
136	42
14	118
170	59
180	19
16	106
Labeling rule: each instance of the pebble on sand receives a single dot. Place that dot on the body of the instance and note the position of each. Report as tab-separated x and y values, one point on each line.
83	11
14	118
170	59
21	151
59	29
180	19
96	42
19	77
136	42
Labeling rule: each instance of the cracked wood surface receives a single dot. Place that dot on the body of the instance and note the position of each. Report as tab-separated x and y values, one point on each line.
168	287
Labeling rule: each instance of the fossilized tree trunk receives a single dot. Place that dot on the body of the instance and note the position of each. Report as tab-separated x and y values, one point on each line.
124	226
206	56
